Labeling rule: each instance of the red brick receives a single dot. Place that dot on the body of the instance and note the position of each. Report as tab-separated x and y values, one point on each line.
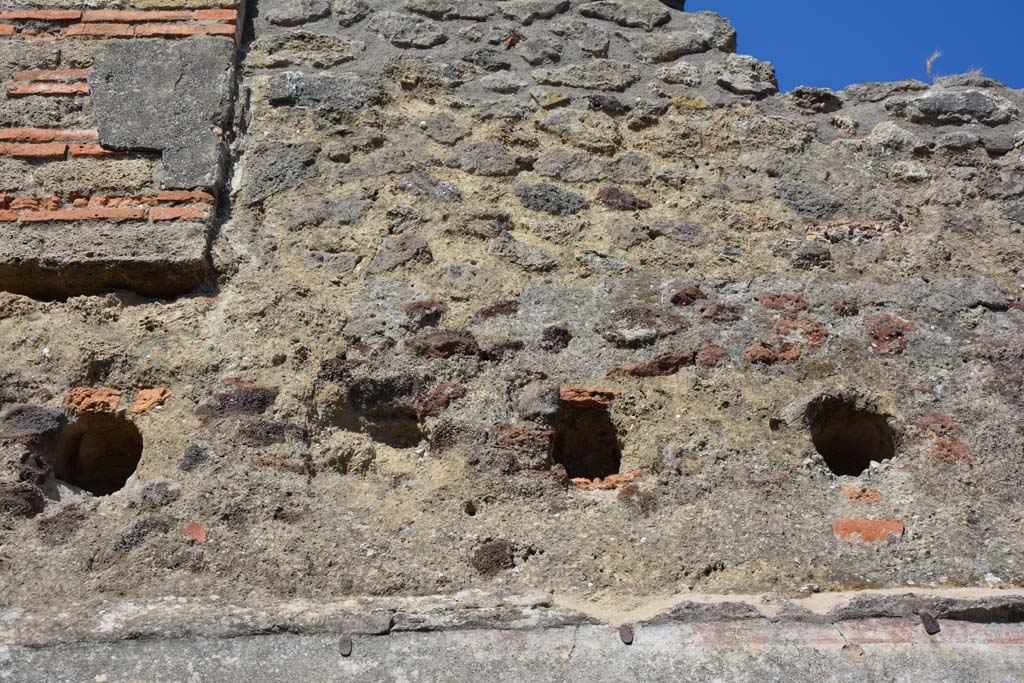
103	213
150	398
23	89
93	400
37	151
136	15
869	530
216	14
41	15
185	196
169	213
587	396
101	30
91	151
51	75
8	216
45	134
172	30
195	531
6	30
25	203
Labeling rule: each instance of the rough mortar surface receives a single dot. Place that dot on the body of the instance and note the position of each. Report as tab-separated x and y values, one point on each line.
486	327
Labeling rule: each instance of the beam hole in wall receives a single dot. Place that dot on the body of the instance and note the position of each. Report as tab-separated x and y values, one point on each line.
98	453
384	408
586	442
849	438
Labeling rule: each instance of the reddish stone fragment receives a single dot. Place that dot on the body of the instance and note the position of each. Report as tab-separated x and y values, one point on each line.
443	344
665	364
888	333
868	530
779	302
622	200
440	398
509	307
722	313
93	400
687	295
587	396
814	335
709	355
764	352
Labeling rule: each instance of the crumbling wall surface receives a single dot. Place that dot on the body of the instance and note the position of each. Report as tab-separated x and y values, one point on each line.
309	299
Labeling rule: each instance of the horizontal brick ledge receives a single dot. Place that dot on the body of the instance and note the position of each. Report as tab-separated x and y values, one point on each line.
91	151
98	213
33	150
167	213
41	15
185	196
6	30
101	30
51	75
8	216
136	15
171	30
25	89
216	14
46	135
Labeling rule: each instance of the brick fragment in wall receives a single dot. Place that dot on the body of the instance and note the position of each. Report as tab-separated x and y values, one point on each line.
170	97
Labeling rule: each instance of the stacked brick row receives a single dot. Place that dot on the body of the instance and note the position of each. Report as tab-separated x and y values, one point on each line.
59	173
39	24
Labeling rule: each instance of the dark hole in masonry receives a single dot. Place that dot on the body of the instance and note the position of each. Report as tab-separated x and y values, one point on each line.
586	442
385	409
98	453
848	437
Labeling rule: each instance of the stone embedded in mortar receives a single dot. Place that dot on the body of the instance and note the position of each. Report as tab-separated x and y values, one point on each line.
405	31
631	14
550	199
955	108
528	11
296	12
597	74
166	96
350	12
446	10
744	75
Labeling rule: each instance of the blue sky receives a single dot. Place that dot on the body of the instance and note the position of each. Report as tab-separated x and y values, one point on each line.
832	44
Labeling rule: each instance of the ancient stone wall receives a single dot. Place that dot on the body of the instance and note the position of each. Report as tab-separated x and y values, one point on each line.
308	299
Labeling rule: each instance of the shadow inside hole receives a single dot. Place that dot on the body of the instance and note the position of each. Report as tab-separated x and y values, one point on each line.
586	442
848	437
98	453
383	408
